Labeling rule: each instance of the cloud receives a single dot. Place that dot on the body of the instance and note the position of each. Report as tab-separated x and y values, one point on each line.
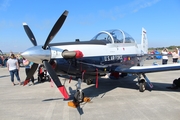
113	13
121	10
4	4
141	4
116	11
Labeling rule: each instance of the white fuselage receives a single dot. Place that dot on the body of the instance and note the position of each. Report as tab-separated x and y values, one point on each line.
98	50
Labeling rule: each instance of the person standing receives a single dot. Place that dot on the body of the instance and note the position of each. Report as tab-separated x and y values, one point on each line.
175	55
177	50
27	65
164	57
13	68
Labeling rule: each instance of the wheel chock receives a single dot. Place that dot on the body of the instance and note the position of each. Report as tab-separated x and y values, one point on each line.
76	104
87	99
73	104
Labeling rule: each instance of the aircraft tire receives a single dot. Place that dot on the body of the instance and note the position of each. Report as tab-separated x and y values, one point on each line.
142	85
78	98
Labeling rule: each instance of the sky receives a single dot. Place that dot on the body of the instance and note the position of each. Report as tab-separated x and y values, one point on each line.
86	18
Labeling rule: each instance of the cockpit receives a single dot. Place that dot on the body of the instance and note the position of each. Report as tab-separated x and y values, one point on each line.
114	36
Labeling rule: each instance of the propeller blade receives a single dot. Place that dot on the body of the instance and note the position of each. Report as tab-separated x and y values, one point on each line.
56	28
31	73
56	80
29	34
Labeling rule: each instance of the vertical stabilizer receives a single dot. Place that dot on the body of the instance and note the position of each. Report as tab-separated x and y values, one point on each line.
144	41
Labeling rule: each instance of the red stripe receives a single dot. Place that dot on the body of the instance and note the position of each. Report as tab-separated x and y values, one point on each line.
96	78
63	90
70	79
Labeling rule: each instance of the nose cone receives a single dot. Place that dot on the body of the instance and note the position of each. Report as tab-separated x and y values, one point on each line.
36	54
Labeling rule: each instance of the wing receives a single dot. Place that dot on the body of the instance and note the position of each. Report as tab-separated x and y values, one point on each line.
149	69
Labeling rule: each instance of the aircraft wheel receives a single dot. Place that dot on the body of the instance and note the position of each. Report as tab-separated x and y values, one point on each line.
142	85
78	97
89	81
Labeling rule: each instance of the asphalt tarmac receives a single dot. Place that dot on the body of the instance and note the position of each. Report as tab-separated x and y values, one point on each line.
112	100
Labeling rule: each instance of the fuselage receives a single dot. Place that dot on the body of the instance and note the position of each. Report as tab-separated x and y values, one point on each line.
104	53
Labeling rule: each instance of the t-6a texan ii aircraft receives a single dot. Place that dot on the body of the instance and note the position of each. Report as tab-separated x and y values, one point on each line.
107	52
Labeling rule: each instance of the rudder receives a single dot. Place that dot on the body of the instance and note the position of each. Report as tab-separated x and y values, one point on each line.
144	41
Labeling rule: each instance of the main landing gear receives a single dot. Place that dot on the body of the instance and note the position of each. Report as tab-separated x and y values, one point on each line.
142	82
78	96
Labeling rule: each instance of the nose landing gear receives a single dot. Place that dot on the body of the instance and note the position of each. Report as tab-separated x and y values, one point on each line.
79	96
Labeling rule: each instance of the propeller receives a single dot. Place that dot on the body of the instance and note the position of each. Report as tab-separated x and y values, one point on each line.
56	80
49	68
31	73
29	34
56	28
33	40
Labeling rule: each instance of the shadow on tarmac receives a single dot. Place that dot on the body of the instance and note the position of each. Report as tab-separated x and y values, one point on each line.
106	85
4	76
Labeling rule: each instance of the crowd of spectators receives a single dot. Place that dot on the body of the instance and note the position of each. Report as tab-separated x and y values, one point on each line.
13	62
155	54
4	58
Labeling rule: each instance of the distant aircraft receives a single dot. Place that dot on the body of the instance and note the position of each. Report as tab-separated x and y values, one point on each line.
107	52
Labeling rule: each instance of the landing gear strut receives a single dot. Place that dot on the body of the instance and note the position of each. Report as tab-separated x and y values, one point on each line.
79	95
142	82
